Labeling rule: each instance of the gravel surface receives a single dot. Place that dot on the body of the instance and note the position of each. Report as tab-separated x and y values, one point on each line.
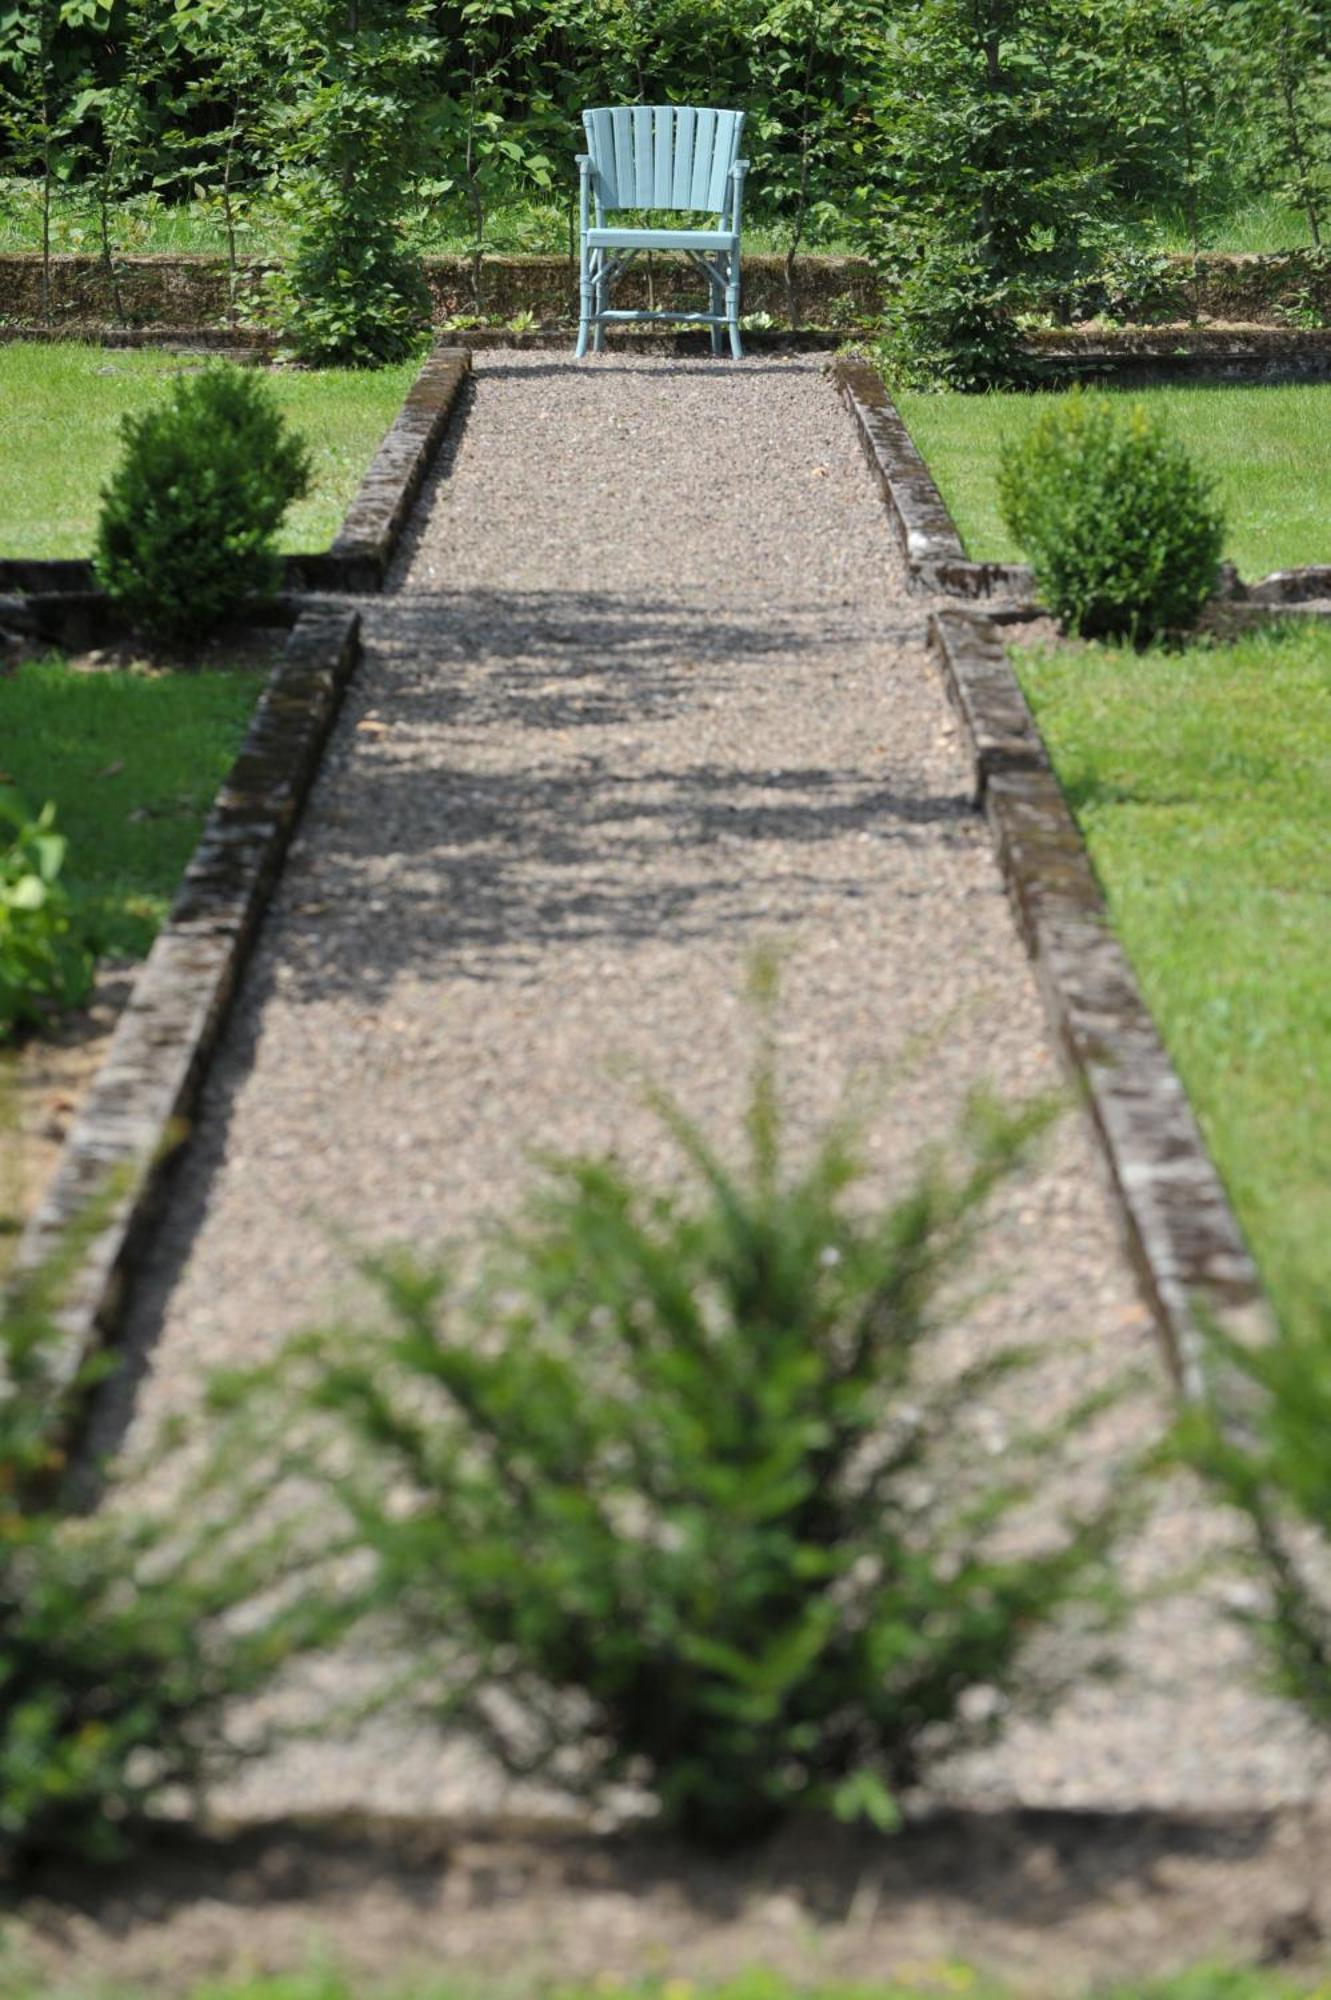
648	690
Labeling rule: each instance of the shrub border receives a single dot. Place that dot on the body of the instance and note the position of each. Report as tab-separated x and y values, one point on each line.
359	555
135	1116
1181	1232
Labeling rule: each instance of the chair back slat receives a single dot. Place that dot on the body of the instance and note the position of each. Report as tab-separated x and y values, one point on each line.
601	146
704	144
662	155
644	156
686	119
725	146
626	190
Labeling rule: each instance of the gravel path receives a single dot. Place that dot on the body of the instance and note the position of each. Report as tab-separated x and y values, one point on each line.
649	690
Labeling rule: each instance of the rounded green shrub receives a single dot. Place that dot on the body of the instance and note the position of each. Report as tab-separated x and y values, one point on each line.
1120	527
189	516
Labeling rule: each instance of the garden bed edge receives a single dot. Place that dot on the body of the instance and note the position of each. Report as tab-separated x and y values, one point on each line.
135	1115
358	558
1185	1242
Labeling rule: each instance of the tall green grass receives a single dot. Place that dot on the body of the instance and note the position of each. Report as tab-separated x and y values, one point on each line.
1202	784
148	226
145	225
60	411
1263	446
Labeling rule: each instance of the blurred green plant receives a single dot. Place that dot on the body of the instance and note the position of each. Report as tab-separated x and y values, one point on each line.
671	1496
122	1653
45	964
1260	1442
1119	525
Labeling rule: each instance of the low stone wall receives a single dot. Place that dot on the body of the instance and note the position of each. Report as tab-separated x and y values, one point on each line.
830	291
1252	288
193	291
1231	353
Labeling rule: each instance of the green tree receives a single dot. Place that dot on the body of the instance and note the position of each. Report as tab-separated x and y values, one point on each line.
994	173
347	147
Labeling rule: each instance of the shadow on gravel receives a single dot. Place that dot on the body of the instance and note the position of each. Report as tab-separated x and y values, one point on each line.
453	872
558	659
497	790
419	864
1015	1891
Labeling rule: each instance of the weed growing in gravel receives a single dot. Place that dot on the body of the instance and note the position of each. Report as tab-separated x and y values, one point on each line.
671	1497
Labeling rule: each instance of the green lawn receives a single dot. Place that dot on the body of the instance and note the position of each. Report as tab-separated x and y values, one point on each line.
1265	448
60	410
132	760
1202	784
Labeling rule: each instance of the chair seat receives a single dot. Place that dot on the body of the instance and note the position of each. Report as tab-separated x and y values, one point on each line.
662	239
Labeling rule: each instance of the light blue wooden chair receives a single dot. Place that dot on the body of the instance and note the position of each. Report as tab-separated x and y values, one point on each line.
661	156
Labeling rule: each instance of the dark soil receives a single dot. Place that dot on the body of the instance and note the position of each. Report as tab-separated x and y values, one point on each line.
1052	1902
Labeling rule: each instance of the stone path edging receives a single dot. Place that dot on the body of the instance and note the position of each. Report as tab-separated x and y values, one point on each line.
131	1121
1237	354
934	551
372	526
1182	1234
1181	1231
358	558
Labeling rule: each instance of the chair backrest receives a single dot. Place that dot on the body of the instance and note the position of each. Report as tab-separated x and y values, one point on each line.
661	155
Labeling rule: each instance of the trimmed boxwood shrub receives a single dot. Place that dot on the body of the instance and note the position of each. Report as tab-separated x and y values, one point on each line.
190	515
1120	527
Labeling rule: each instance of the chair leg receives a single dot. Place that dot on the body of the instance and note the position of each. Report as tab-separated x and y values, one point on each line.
602	295
584	299
732	311
716	310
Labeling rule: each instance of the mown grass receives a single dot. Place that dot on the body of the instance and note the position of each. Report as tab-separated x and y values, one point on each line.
1263	446
942	1980
132	759
60	411
1202	783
